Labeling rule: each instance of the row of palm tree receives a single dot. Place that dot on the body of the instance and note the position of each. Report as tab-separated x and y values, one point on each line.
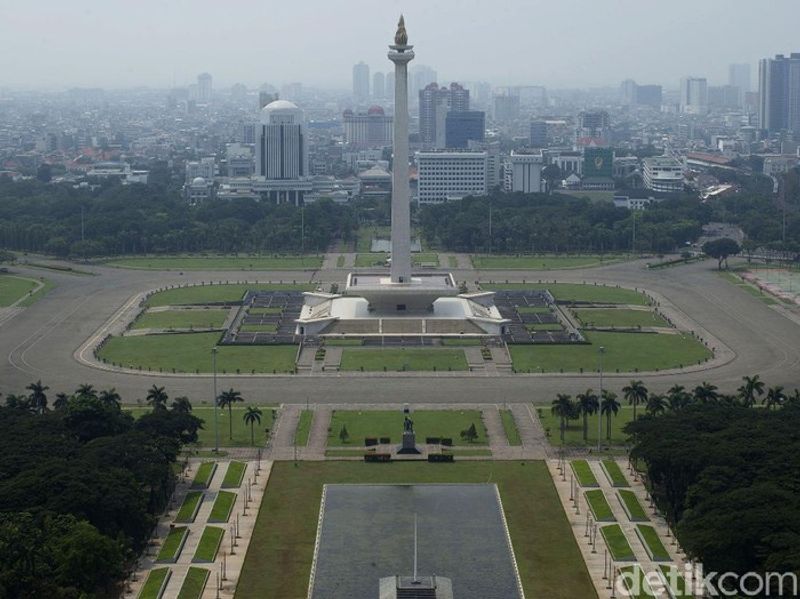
585	405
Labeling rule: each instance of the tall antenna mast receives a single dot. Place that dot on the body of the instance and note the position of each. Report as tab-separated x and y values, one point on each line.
415	547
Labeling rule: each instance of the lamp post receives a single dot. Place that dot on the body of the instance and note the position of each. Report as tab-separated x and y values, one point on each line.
601	350
216	418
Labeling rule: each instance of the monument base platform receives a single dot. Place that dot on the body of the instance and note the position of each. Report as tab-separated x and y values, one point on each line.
409	446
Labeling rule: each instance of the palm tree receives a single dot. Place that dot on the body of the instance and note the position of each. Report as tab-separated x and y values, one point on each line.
18	402
110	397
38	397
86	390
588	404
775	397
753	386
563	408
706	393
182	405
252	416
794	400
677	398
635	393
227	399
610	407
62	399
157	398
656	404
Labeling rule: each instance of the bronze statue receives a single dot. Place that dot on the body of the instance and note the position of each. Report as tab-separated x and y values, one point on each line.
408	425
401	37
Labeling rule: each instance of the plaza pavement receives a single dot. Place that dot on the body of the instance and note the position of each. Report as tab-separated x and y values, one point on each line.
39	342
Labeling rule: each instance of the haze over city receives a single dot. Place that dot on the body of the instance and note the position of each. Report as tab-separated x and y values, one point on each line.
53	44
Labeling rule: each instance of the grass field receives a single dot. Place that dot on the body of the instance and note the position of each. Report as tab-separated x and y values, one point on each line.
208	545
205	472
452	262
583	473
510	427
233	262
658	553
534	310
258	328
614	473
191	352
39	294
425	259
540	262
14	288
181	319
233	475
278	560
156	580
206	294
379	259
634	509
223	505
576	292
173	544
427	423
599	505
617	544
189	507
373	360
619	317
194	584
624	352
241	431
574	432
303	428
258	311
745	286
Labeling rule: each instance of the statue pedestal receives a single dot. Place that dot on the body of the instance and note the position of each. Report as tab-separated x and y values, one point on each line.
409	445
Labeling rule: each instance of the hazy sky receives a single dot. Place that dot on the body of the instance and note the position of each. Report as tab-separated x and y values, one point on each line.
558	43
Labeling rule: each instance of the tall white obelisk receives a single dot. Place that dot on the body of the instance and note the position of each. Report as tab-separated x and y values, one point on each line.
401	54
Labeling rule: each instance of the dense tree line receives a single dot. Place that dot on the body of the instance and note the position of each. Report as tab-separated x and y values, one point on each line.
81	485
115	219
727	476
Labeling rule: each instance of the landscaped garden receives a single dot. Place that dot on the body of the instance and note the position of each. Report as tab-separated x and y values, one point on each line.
218	262
374	360
510	427
233	475
617	544
583	473
577	292
156	581
223	506
194	584
173	544
541	262
614	473
189	508
218	293
655	548
619	318
208	545
598	503
205	472
573	433
181	319
633	508
303	428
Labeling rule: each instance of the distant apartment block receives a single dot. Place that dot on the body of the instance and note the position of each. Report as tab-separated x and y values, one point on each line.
444	176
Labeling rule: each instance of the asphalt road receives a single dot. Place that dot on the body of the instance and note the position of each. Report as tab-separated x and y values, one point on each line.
39	342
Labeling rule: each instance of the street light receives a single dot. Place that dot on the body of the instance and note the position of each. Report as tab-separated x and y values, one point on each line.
601	350
216	418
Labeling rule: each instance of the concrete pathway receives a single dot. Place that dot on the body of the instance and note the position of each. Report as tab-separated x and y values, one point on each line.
318	437
498	442
530	431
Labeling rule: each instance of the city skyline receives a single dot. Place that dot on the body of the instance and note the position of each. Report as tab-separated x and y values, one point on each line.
104	47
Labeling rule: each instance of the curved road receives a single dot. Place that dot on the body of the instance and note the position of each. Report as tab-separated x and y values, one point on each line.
38	343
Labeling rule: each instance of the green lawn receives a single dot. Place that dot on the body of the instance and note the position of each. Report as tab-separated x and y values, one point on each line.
191	353
425	259
204	474
621	318
258	328
658	553
303	428
534	310
540	262
173	544
372	259
221	262
37	295
340	261
679	589
181	319
257	311
278	560
635	510
452	262
194	584
614	473
427	423
574	432
223	505
189	507
599	505
576	292
233	475
583	473
241	431
208	545
366	235
510	427
462	341
635	583
403	359
549	326
617	544
14	288
624	352
156	580
206	294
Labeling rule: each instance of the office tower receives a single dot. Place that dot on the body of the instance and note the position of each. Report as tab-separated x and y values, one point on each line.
694	95
724	96
506	108
372	129
248	135
523	171
443	176
628	92
463	126
282	151
361	81
779	93
538	135
434	104
421	76
648	95
739	76
204	89
379	85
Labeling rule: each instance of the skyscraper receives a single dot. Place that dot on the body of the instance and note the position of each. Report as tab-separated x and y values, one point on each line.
421	76
434	104
379	85
463	126
204	88
694	95
739	76
282	151
779	93
361	81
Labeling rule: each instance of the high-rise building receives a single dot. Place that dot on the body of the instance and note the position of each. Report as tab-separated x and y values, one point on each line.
627	92
379	85
361	81
724	96
649	95
523	171
739	76
372	129
434	104
506	108
265	98
446	176
421	76
779	93
463	126
694	95
204	88
663	174
538	135
282	152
